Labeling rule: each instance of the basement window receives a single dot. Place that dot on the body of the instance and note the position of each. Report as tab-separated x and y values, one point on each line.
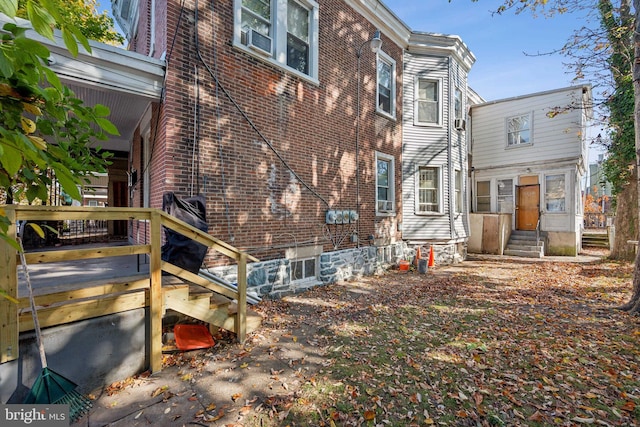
303	270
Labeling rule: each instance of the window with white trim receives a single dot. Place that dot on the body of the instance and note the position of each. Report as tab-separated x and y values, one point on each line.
519	130
429	189
282	31
304	269
384	184
483	196
457	104
505	195
428	105
555	193
386	92
458	190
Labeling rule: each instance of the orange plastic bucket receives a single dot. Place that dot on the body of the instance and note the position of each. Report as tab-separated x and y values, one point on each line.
404	265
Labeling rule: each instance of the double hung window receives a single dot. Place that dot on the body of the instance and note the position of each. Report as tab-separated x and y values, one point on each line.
428	189
386	92
284	32
519	130
384	184
427	102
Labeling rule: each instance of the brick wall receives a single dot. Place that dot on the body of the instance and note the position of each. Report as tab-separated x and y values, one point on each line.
254	201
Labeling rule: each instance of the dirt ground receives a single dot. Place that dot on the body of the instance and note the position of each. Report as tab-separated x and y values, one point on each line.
238	385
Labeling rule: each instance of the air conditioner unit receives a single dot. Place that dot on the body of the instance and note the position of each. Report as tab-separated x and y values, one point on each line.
259	42
460	124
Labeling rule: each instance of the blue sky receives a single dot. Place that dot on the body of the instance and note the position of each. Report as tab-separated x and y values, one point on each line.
499	43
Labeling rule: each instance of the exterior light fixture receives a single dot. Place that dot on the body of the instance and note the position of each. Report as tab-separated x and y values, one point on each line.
376	42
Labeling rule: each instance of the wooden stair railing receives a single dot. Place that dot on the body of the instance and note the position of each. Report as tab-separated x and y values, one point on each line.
11	325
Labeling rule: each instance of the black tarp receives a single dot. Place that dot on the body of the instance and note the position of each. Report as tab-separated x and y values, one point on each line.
178	249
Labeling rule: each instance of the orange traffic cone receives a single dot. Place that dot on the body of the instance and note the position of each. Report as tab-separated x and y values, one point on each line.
432	261
416	260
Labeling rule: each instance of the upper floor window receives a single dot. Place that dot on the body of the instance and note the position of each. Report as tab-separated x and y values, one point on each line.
386	84
519	130
427	101
298	37
384	184
125	13
428	189
282	31
457	104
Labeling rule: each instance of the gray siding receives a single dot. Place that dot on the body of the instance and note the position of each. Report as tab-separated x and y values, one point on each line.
553	138
429	146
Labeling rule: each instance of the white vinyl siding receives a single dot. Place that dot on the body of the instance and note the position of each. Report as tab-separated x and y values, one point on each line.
555	139
429	145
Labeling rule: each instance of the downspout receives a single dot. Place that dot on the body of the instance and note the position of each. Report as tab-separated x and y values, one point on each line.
450	155
152	30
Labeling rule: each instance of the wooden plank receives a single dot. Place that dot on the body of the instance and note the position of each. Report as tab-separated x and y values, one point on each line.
76	254
197	280
155	294
9	285
241	316
198	309
202	237
126	284
82	310
59	213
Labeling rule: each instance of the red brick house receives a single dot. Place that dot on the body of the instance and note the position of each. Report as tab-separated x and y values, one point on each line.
270	113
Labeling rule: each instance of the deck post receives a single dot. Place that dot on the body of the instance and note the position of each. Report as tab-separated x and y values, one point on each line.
9	285
155	294
241	315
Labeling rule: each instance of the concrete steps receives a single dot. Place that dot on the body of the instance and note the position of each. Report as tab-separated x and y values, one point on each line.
595	239
524	244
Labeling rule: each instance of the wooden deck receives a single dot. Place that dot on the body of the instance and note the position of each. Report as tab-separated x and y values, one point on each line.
83	282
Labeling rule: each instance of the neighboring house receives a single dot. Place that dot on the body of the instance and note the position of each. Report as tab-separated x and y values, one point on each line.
529	159
434	160
598	186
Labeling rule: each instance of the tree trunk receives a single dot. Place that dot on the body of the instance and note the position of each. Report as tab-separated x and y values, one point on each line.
633	305
626	221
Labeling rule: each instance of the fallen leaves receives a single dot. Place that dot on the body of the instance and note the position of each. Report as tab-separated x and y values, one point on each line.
477	344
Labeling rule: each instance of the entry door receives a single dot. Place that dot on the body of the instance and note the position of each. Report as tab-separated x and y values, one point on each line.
527	207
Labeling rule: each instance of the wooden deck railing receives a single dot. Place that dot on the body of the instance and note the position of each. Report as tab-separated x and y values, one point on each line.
106	299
